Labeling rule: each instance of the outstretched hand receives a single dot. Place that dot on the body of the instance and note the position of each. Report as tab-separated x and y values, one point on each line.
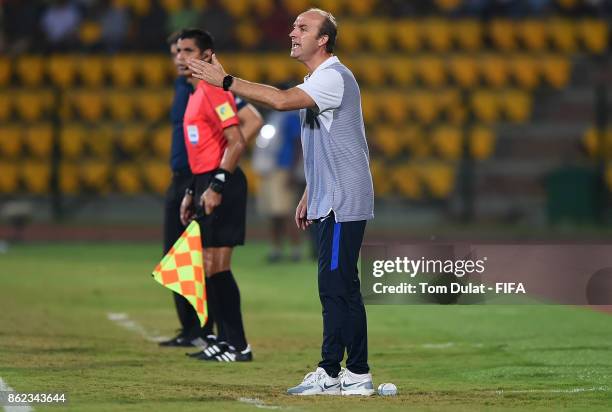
212	73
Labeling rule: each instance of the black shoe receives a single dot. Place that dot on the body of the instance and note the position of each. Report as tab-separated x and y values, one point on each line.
179	340
233	355
210	352
202	343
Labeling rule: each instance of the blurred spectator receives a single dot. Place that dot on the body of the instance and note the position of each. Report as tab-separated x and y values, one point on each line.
60	23
150	28
216	20
19	24
115	22
276	160
181	19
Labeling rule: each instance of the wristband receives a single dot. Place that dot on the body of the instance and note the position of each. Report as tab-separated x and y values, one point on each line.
220	178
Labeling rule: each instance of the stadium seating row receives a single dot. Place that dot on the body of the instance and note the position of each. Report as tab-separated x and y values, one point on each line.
93	176
76	140
442	35
416	179
91	105
465	70
444	141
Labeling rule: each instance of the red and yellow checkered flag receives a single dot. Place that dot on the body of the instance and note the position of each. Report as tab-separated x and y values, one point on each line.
181	270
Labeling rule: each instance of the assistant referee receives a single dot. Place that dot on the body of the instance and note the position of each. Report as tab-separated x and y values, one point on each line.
339	196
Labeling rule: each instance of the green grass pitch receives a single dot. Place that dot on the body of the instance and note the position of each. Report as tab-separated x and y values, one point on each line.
55	337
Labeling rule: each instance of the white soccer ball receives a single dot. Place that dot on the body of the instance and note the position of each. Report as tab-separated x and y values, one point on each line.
387	389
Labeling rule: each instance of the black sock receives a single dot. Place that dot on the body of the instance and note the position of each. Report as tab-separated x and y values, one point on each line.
208	328
228	296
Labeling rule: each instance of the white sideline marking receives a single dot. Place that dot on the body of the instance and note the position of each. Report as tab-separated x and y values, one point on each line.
123	320
258	403
4	387
572	390
438	345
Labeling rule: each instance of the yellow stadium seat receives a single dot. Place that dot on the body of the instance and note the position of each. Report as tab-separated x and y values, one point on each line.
30	70
39	139
120	105
371	70
32	106
431	70
69	178
157	176
598	143
556	70
10	141
525	71
563	34
153	69
123	70
127	178
247	34
464	70
424	105
62	70
369	106
517	105
361	8
237	8
401	70
335	7
437	33
533	34
567	4
132	138
439	178
100	141
162	138
263	8
153	105
5	71
450	102
448	5
594	34
5	105
142	7
95	175
495	70
91	70
72	141
406	178
409	136
279	69
482	142
407	35
416	142
377	33
89	105
502	33
295	7
248	67
387	141
36	176
485	106
350	39
380	177
447	141
172	6
9	177
90	33
468	34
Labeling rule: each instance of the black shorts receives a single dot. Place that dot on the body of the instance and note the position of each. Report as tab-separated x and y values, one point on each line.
226	225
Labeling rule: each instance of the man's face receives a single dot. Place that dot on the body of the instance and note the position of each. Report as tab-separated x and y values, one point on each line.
174	54
304	36
187	49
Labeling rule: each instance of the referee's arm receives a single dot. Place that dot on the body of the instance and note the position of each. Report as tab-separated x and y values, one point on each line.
250	122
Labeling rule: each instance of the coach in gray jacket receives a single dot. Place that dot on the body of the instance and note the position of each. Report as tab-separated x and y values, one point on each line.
338	199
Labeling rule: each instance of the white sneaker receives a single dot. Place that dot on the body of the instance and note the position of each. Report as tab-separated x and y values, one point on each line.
354	384
317	383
